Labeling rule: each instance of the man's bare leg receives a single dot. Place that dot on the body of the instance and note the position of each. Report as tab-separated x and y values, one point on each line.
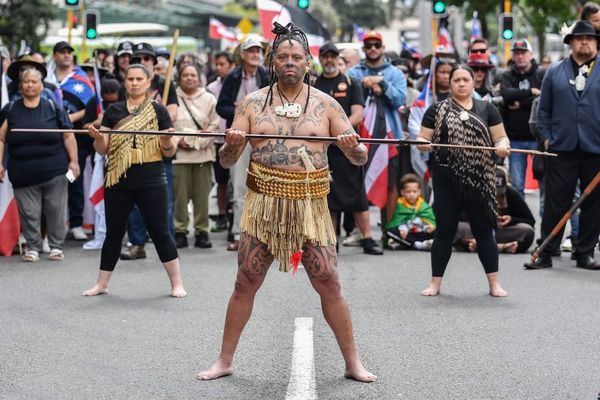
101	286
174	272
321	266
254	260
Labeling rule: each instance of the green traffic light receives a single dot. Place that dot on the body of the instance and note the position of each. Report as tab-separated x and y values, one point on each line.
91	33
439	7
507	34
303	4
72	2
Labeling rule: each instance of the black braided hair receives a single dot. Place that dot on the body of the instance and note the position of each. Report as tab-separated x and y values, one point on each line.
289	32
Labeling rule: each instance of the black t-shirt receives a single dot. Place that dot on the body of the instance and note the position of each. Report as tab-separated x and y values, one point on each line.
157	87
483	109
34	158
346	92
139	176
91	110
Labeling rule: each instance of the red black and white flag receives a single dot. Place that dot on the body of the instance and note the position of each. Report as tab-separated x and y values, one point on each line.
217	30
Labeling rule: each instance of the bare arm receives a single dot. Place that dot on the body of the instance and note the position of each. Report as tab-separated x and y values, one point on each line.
425	134
235	139
76	116
347	139
100	139
500	139
71	148
356	114
172	109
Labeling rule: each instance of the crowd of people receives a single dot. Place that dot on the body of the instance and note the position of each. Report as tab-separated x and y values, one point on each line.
426	204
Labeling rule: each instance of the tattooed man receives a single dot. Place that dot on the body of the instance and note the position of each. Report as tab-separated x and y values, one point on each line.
286	206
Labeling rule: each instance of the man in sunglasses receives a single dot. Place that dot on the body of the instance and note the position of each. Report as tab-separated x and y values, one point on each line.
481	46
384	86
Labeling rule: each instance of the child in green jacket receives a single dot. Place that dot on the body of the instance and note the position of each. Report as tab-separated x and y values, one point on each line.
413	222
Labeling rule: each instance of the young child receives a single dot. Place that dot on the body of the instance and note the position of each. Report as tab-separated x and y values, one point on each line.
413	222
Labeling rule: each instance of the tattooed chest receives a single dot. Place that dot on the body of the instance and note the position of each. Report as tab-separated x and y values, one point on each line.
278	153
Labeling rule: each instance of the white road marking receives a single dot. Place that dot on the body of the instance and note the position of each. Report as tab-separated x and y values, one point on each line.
302	384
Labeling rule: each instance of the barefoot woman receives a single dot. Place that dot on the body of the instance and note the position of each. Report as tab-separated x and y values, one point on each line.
464	179
135	174
288	182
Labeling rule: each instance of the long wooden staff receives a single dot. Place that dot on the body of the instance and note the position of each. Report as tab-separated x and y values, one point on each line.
397	142
555	231
165	95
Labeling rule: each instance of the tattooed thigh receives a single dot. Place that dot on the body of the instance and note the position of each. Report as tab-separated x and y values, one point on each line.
254	257
319	261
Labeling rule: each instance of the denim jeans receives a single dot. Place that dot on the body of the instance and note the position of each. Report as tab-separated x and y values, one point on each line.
136	227
517	163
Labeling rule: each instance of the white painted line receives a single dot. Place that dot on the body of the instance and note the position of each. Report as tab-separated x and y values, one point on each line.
302	384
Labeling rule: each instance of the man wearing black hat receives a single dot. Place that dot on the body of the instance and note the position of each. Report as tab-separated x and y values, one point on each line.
569	125
76	90
518	87
124	54
348	186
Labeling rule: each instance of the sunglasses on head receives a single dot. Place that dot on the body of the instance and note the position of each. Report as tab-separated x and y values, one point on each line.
481	51
370	45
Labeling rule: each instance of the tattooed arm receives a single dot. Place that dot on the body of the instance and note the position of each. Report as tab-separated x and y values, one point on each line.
340	127
235	139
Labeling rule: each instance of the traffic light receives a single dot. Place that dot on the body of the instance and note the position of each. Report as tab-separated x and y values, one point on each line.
74	21
303	4
90	28
72	3
439	8
507	27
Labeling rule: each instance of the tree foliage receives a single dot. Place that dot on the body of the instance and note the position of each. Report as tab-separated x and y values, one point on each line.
366	13
546	16
20	20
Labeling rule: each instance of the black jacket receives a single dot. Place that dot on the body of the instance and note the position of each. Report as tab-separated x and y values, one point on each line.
515	86
231	87
516	208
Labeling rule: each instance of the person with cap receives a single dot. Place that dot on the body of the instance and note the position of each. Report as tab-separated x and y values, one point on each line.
482	46
224	64
515	228
38	163
124	54
480	65
75	90
144	54
243	80
348	192
385	87
568	124
518	87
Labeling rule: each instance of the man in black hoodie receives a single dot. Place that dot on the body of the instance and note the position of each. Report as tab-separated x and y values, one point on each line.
518	87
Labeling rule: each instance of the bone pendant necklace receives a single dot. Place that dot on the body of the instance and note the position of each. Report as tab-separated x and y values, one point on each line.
290	109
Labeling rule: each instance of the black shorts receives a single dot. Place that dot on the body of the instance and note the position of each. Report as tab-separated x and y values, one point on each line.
221	174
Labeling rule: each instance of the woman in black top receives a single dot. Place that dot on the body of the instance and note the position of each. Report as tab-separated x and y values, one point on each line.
464	179
135	175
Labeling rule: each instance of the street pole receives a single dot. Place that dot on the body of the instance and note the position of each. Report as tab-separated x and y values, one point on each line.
507	8
69	24
83	46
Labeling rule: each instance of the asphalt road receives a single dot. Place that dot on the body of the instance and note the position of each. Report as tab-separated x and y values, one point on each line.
541	342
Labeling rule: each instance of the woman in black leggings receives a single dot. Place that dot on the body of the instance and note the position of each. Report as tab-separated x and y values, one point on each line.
135	175
464	179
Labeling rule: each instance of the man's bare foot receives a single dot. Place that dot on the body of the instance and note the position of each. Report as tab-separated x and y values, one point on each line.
360	374
510	247
95	291
497	291
178	292
217	370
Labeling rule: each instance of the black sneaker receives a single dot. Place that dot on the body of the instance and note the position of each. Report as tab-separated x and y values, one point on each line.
202	241
181	240
542	262
371	247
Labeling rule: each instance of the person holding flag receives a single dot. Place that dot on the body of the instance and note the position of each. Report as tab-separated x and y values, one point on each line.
385	90
75	91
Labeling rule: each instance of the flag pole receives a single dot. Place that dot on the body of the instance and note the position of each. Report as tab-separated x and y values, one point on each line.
165	95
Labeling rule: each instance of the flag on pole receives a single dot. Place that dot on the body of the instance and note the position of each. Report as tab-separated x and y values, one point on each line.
270	11
10	225
217	30
375	125
99	106
476	27
445	40
97	200
359	32
417	111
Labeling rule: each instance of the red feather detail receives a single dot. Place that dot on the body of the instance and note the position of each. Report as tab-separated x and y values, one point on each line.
295	261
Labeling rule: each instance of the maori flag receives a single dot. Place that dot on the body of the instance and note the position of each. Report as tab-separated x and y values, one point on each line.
271	11
218	30
375	125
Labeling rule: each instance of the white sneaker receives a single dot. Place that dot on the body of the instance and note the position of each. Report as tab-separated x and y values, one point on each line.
78	233
95	244
567	245
45	245
352	240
